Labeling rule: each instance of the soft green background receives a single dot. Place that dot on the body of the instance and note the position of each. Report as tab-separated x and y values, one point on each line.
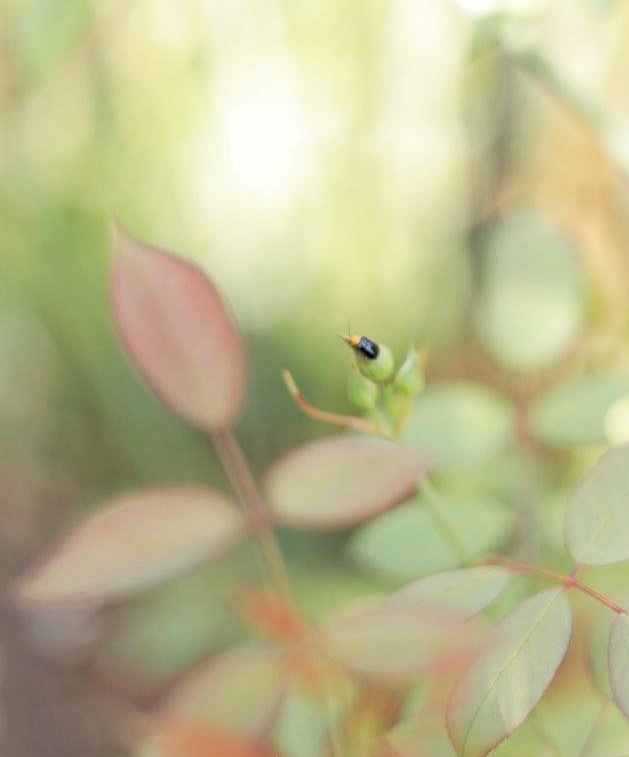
443	173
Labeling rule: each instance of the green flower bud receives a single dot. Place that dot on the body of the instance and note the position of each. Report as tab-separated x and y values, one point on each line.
362	392
374	361
378	369
409	379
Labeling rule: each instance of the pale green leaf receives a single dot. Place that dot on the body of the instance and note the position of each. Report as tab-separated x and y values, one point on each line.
303	726
301	729
618	659
463	592
502	686
460	424
409	541
597	518
336	482
165	631
530	307
573	413
597	645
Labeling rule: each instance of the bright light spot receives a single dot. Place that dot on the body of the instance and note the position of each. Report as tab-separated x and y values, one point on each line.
617	143
617	422
261	139
255	164
483	7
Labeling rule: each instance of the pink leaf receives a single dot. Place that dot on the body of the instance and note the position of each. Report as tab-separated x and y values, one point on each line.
185	738
397	642
140	539
178	333
337	482
239	690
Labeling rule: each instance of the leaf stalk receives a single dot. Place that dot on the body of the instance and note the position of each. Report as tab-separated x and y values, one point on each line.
238	471
568	581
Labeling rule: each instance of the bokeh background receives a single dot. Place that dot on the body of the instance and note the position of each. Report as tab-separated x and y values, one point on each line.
450	173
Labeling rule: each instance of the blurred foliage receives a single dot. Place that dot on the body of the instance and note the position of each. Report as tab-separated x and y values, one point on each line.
451	174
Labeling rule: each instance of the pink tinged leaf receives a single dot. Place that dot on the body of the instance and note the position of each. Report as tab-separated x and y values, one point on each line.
337	482
618	661
463	592
396	642
177	332
138	540
240	690
597	518
502	686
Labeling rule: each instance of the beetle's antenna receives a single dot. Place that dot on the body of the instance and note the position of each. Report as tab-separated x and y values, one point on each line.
347	337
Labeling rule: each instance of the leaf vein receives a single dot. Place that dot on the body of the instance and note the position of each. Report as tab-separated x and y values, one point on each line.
604	522
518	649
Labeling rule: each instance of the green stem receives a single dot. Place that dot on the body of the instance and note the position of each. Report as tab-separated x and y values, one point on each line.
389	408
237	469
438	511
594	730
544	736
334	733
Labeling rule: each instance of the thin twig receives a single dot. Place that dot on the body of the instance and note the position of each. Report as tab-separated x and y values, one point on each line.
334	733
241	478
544	736
602	598
522	567
568	581
596	725
439	513
335	419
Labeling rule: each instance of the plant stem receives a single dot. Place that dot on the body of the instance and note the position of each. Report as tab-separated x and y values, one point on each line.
522	567
568	581
544	736
237	469
334	733
389	408
438	511
602	598
334	419
596	725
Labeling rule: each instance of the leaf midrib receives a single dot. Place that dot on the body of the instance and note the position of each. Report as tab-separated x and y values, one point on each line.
439	593
603	523
518	649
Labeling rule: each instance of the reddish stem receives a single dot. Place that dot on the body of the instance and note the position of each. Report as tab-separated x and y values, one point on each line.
239	473
335	419
570	581
602	598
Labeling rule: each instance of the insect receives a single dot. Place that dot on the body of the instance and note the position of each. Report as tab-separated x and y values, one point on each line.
373	360
367	347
